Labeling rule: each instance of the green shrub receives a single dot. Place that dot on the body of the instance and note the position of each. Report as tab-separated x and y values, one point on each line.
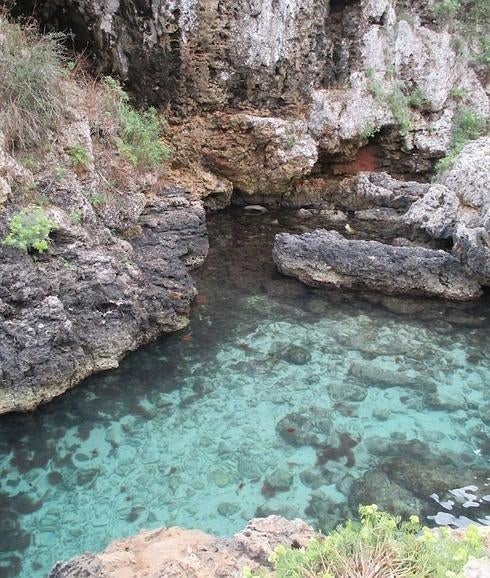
400	109
447	8
375	87
32	67
417	98
470	19
29	230
459	93
97	199
80	157
468	125
369	131
380	545
139	134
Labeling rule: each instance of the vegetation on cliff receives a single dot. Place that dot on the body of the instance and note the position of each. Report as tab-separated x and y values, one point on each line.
380	545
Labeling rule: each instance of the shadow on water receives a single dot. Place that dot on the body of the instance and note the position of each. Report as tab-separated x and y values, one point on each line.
276	399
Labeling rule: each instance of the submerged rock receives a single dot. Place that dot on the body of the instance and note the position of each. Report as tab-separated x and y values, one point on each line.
308	427
375	487
423	476
326	259
296	355
280	480
371	373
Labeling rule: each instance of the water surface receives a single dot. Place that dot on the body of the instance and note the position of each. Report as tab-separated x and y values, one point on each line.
276	399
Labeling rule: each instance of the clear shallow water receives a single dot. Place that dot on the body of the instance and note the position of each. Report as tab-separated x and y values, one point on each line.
353	398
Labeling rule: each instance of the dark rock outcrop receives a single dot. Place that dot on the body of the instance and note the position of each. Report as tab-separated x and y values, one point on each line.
94	297
325	258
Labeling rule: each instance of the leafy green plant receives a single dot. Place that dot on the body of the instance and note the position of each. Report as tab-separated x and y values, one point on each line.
139	134
470	21
76	217
468	125
417	98
447	8
459	93
29	230
59	172
80	157
97	199
400	109
381	545
375	87
32	67
369	130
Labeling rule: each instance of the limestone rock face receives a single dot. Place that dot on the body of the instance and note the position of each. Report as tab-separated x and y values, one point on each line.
94	297
343	70
325	258
258	154
173	552
458	207
435	213
205	53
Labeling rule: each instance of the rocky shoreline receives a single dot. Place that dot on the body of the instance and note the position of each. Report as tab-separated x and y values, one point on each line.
263	106
95	297
173	553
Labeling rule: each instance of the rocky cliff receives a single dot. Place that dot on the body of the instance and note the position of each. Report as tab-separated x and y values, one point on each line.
276	101
289	87
116	272
173	553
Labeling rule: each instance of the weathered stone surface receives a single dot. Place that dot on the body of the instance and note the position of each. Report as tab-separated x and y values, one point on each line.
472	245
257	154
94	297
469	178
372	190
331	66
174	553
435	213
326	259
459	208
205	53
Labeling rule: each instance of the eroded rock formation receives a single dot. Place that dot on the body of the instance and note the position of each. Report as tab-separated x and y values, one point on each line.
174	552
116	274
326	259
316	78
94	298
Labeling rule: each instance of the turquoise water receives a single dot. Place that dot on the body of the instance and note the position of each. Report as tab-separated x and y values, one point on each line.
276	399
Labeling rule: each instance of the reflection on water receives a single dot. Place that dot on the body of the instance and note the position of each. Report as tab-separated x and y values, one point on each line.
277	399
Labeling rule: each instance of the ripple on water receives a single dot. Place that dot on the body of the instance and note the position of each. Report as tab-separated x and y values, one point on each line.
277	399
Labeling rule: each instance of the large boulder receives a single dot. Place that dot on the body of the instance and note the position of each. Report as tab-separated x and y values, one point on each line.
469	178
326	259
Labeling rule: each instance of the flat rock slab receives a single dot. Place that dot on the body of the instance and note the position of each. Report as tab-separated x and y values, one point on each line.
326	259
